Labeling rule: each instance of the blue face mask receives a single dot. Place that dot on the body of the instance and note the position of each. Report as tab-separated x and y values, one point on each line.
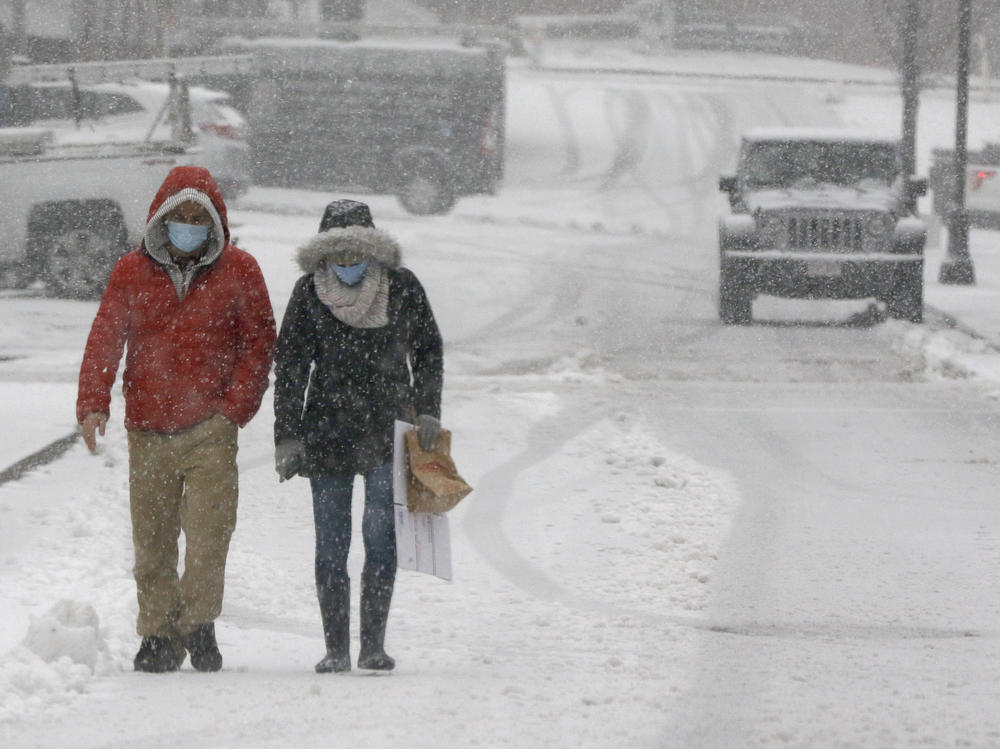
186	237
351	274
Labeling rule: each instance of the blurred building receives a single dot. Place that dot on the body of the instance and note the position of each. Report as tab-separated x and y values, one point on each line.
62	30
857	31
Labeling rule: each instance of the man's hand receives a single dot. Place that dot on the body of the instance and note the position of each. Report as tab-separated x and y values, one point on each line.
93	423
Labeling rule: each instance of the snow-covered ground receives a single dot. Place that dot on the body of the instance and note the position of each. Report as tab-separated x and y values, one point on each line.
584	560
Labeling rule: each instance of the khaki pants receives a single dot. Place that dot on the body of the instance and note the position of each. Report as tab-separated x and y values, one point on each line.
182	481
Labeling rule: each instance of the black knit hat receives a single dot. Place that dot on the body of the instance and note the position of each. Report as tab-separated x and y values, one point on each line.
342	213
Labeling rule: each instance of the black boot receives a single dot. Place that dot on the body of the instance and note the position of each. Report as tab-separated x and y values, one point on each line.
376	595
335	611
204	650
155	656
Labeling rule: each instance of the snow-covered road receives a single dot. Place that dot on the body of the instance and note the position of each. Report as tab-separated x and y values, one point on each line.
682	534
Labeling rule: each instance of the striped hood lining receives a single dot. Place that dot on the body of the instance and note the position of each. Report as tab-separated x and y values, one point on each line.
157	239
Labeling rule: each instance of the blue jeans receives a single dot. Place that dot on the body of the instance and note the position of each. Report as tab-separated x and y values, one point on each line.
332	516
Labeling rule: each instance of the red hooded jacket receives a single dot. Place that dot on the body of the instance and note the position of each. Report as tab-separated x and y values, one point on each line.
200	341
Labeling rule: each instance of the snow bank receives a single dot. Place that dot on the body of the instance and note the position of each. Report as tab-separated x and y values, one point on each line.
68	630
951	353
63	649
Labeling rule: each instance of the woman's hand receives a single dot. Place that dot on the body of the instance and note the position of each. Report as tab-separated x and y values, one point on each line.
288	458
427	428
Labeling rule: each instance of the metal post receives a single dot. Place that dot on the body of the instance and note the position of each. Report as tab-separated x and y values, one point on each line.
6	53
911	95
77	98
957	266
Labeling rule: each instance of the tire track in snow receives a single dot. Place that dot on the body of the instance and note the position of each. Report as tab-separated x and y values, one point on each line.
485	517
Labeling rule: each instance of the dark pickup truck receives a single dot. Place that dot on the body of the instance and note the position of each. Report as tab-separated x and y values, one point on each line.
422	120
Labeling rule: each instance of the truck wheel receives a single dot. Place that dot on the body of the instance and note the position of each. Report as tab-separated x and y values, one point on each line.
735	295
14	276
79	250
905	300
425	189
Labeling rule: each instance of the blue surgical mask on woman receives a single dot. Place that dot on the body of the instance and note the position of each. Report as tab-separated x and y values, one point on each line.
186	237
351	274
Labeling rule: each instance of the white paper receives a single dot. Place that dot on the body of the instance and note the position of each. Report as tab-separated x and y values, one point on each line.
423	539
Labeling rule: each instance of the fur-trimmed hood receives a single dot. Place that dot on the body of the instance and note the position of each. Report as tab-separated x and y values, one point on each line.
373	244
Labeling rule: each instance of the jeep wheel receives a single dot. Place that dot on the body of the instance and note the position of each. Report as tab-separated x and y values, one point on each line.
735	295
905	300
425	189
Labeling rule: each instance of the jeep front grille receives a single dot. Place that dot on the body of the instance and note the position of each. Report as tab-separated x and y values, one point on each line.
825	232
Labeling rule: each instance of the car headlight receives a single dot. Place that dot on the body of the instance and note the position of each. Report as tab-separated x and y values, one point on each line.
879	227
773	233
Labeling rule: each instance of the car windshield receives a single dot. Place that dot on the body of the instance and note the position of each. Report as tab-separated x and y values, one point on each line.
790	164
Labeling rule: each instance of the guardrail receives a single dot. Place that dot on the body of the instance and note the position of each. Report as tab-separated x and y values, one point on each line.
203	32
161	68
587	26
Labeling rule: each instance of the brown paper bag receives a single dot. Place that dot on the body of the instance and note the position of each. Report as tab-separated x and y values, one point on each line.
432	481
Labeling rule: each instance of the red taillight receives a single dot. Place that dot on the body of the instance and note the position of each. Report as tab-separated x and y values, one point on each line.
230	132
980	177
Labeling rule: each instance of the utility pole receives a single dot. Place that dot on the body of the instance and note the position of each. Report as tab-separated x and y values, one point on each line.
163	17
19	30
910	71
667	23
957	266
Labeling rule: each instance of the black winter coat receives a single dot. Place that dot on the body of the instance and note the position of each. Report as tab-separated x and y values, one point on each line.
338	388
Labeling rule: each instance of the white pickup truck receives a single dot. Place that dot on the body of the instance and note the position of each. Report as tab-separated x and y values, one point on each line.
982	185
67	212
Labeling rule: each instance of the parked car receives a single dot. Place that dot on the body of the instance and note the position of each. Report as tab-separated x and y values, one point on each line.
820	214
982	185
135	112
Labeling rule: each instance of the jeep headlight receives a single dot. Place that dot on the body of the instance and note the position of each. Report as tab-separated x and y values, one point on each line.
773	233
879	227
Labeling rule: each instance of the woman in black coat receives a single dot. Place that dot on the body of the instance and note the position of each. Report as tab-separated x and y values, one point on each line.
359	348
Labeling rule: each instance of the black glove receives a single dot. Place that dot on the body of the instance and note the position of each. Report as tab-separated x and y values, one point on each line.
288	458
428	428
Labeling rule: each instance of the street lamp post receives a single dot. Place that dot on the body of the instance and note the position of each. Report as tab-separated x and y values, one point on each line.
957	266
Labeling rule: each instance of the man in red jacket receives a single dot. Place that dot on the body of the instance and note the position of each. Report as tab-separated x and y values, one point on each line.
196	317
